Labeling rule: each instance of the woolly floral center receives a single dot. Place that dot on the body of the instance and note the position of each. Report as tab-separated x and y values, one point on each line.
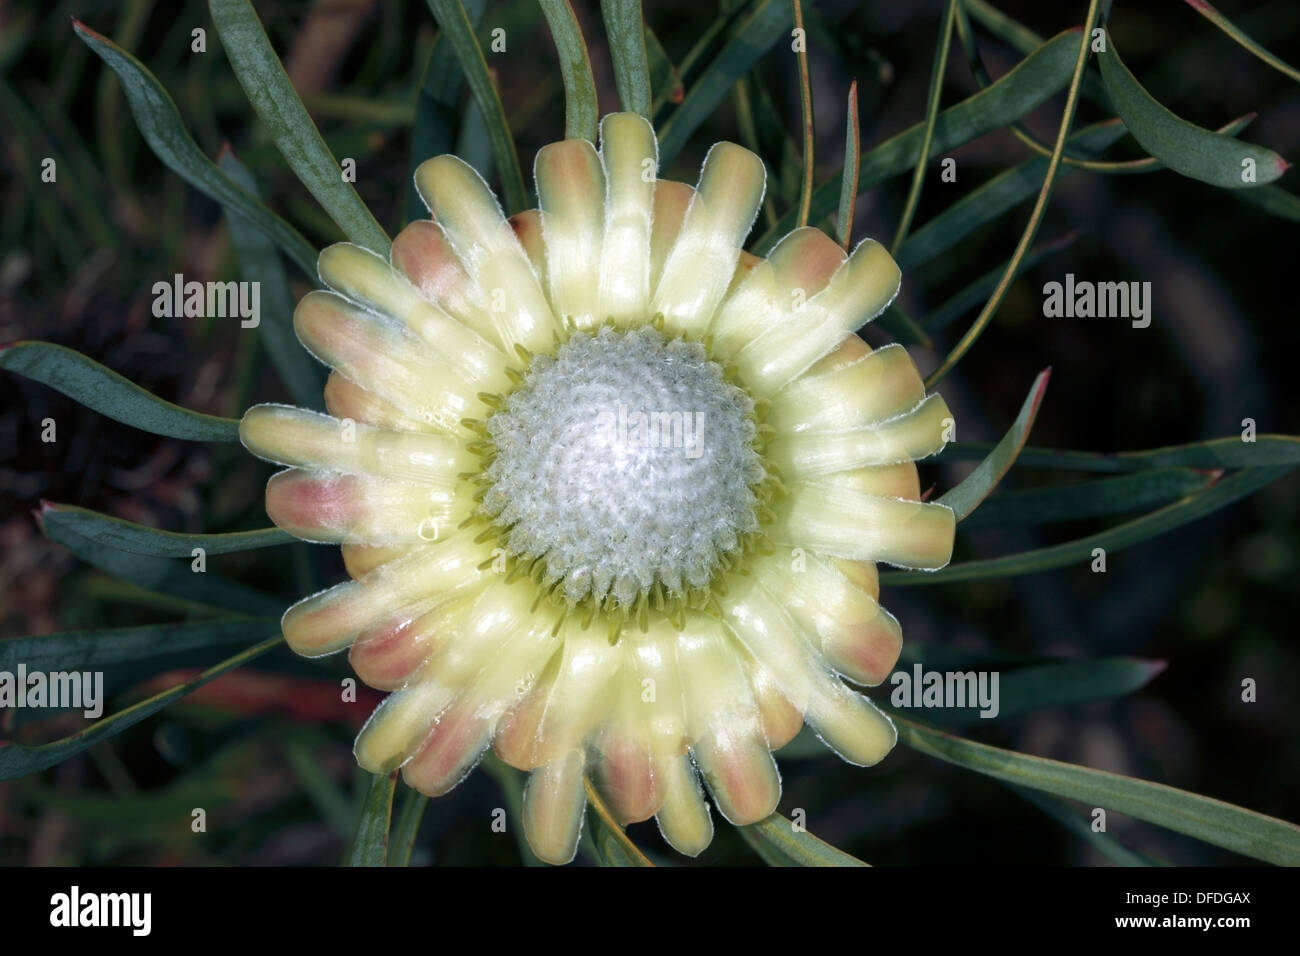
623	474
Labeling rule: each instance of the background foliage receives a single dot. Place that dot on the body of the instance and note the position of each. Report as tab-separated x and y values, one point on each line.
1136	671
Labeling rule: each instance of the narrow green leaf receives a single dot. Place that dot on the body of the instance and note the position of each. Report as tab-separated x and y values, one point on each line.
1275	200
267	86
370	843
1025	684
612	845
664	78
1034	79
140	539
990	200
581	112
972	294
408	827
1182	146
161	126
976	486
1036	215
937	68
172	576
474	142
779	843
767	22
259	262
1006	29
359	110
456	27
114	647
1024	40
849	176
18	760
1025	690
1122	494
1204	818
433	133
1215	453
1235	32
709	42
1073	821
1236	486
103	390
627	35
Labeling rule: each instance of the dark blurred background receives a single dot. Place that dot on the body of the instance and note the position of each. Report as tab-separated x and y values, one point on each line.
267	751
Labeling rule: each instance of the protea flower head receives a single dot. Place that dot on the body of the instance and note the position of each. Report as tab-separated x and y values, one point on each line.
611	490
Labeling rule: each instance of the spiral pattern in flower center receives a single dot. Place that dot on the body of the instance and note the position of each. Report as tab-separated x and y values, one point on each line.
624	469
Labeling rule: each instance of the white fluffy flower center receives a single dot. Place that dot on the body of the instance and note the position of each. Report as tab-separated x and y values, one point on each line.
624	461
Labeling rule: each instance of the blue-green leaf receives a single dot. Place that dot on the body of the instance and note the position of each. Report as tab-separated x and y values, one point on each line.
173	576
1122	494
141	539
407	828
1275	200
1215	453
1024	690
1004	191
433	132
161	126
114	647
457	29
111	394
1238	35
1036	78
1236	486
780	843
976	292
1182	146
625	28
849	174
581	111
18	760
665	81
1213	821
259	262
753	36
1076	823
267	86
976	486
370	843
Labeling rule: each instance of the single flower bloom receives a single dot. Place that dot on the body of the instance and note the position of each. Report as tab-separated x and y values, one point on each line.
610	489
